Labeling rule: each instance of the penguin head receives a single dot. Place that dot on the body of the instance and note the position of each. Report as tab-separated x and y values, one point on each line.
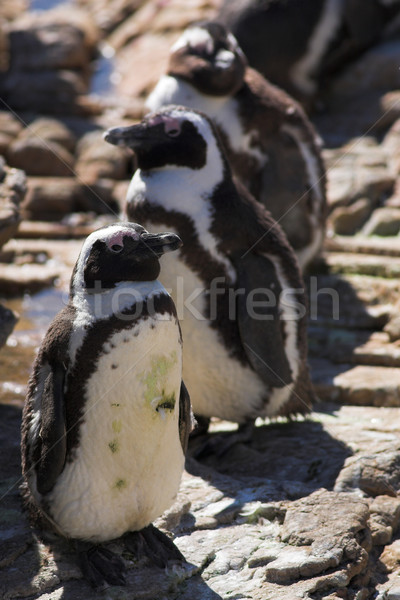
175	136
120	252
208	57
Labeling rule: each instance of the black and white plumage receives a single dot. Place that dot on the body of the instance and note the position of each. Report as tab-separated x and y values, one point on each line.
270	142
238	365
301	45
107	416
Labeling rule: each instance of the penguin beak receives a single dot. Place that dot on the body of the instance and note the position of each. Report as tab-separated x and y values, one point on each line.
132	137
160	243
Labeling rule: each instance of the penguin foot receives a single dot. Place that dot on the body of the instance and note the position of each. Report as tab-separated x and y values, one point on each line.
154	544
100	566
220	444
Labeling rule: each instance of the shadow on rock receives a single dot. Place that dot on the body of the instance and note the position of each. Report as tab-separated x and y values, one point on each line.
19	556
284	460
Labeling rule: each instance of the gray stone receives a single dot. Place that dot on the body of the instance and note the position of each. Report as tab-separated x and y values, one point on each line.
346	220
384	221
50	130
51	198
12	192
97	159
10	127
359	169
37	156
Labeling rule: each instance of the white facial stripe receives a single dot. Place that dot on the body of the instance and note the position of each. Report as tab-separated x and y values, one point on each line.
194	37
224	59
233	42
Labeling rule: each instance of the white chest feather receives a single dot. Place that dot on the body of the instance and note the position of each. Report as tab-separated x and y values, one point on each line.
127	468
186	191
218	385
224	111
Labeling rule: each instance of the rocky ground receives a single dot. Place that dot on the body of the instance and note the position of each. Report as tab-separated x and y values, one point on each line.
311	508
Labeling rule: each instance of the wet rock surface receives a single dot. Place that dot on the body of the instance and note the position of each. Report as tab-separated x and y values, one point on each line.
306	509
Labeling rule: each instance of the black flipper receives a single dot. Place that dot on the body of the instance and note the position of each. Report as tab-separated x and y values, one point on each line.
52	434
185	417
260	325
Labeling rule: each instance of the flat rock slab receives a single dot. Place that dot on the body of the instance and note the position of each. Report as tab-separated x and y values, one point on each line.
303	515
360	385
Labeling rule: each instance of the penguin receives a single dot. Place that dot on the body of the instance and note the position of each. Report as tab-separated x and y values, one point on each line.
236	282
300	45
107	416
271	144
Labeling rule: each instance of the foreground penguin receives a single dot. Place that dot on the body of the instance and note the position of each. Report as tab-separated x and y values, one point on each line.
270	142
238	287
107	416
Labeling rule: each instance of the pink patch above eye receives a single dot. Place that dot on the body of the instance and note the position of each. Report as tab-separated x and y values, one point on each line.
172	126
117	239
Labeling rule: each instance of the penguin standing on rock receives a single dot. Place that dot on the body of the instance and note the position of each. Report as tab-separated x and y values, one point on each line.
270	142
300	45
107	416
236	281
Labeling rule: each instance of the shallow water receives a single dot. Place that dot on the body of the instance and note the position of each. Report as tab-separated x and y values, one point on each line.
16	357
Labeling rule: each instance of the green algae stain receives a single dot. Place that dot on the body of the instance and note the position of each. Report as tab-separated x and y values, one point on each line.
114	446
155	380
120	484
167	402
116	425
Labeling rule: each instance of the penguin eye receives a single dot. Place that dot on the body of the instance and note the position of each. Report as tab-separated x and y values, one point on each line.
116	248
173	132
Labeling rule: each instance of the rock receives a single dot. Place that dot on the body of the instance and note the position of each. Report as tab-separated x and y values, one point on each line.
384	519
37	156
364	245
50	92
11	9
49	66
391	144
10	127
8	319
363	264
359	169
97	159
12	192
111	13
346	220
390	556
30	278
384	221
392	328
343	346
50	130
390	106
375	474
351	301
62	38
99	198
140	64
359	385
51	198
